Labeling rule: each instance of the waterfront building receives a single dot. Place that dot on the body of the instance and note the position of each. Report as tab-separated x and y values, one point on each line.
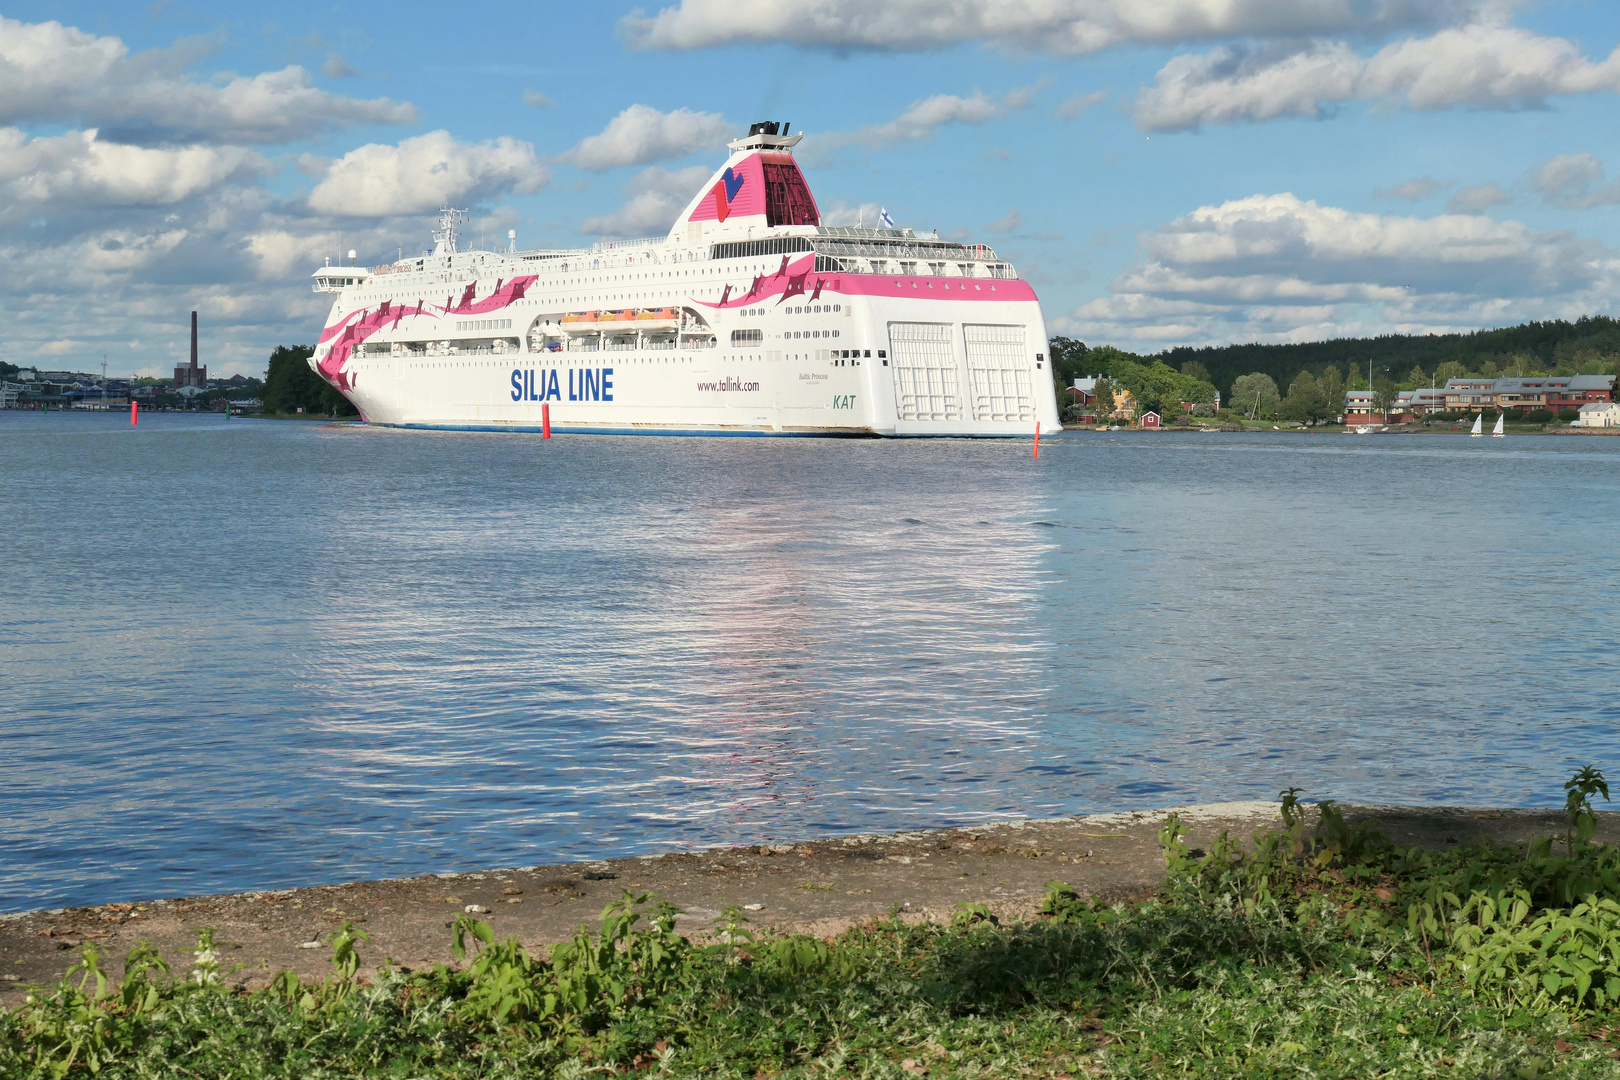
1537	392
1420	402
1124	404
1599	414
1549	392
1084	391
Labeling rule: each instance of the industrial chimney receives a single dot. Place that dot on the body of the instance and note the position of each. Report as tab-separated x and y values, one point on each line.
192	375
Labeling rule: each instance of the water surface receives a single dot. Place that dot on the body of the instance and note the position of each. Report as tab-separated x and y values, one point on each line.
249	654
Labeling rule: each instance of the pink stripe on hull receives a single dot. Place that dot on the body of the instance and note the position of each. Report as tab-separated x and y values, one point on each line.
800	277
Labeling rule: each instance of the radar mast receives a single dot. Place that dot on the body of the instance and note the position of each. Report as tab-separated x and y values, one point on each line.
444	237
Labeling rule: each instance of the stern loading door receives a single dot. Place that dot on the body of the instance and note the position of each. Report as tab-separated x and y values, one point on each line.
1000	373
925	380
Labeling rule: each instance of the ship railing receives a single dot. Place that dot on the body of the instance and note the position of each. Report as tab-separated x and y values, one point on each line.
619	245
699	343
919	252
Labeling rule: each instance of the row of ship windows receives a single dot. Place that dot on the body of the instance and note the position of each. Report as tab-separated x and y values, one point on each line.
803	309
837	355
752	338
484	324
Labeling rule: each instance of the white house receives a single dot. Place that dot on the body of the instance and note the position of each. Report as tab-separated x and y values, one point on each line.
1599	414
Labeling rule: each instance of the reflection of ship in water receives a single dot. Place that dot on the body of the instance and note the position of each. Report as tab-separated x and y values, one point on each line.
784	652
895	665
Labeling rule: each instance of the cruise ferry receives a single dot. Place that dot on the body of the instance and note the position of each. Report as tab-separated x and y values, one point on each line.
750	318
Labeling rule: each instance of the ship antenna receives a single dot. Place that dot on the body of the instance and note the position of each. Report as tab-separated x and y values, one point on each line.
444	237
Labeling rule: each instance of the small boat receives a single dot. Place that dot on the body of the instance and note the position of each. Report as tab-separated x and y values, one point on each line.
1496	432
1479	422
1363	429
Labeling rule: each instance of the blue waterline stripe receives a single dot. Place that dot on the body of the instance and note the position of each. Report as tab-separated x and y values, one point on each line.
556	429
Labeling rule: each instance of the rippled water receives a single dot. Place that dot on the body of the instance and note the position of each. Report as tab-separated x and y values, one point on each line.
245	654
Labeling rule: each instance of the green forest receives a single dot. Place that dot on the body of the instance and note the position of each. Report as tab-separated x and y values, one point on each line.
1587	346
291	386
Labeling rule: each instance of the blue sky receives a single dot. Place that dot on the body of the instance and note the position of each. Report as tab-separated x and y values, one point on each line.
1165	171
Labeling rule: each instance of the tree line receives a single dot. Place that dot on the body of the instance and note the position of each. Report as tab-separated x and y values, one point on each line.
291	386
1317	374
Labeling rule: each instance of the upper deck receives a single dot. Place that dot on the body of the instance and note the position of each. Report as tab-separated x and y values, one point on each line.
756	205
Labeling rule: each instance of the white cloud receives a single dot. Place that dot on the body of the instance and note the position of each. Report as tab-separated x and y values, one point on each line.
1079	104
281	254
1477	197
1575	182
77	170
1419	188
536	100
1274	267
654	198
1480	65
55	73
1012	221
423	173
919	122
337	68
1059	26
841	214
641	134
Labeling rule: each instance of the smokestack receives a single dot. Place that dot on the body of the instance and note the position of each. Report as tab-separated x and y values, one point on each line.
193	341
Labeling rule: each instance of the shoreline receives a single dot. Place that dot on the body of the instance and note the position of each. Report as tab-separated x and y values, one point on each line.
821	887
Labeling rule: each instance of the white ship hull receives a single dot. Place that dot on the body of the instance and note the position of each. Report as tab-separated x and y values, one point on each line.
727	327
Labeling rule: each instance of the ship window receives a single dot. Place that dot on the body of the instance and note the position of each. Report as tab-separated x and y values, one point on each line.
835	333
838	307
747	338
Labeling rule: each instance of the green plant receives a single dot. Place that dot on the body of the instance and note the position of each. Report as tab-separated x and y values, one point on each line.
1578	792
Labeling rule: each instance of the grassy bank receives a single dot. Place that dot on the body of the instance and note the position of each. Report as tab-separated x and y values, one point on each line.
1317	949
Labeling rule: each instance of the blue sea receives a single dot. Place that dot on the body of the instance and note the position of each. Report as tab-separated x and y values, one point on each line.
245	654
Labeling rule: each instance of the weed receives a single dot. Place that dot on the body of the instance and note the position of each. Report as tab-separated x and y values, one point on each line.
1283	956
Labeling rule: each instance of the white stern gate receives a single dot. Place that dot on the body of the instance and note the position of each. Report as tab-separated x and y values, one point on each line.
925	372
999	370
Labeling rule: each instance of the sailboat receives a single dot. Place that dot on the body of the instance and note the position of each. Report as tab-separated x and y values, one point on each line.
1479	422
1496	431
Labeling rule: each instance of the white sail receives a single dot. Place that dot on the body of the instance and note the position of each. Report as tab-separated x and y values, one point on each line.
1497	430
1478	425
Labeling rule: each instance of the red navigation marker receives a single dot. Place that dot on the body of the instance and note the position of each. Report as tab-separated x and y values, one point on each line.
1037	439
134	412
545	420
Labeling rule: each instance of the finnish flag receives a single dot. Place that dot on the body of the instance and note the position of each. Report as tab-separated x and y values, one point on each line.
884	218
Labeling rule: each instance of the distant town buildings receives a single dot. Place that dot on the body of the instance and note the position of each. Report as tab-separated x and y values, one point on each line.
1549	393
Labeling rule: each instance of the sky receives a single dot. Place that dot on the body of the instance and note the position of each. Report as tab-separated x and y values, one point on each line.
1165	172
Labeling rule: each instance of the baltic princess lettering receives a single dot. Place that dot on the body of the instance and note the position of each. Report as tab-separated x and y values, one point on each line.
749	318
